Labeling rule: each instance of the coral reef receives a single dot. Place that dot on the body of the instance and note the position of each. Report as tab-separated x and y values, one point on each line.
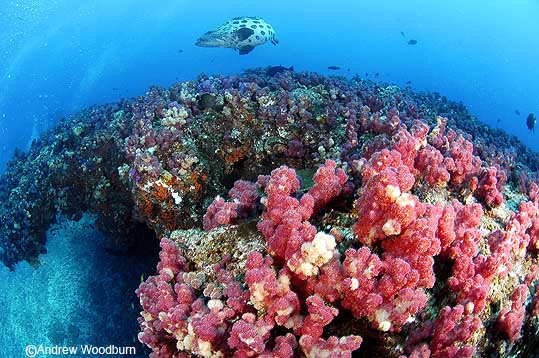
301	215
70	170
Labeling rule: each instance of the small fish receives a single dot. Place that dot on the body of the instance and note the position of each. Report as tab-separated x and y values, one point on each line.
402	34
274	70
141	277
334	68
241	33
376	74
348	70
366	74
412	42
180	51
132	306
206	101
530	122
517	112
408	82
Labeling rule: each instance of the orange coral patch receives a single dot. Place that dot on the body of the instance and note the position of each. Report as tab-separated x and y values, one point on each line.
233	155
160	193
145	206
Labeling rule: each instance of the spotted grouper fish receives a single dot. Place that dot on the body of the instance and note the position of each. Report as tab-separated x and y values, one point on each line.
240	33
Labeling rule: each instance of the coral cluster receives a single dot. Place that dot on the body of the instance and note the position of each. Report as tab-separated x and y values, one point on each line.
308	216
69	170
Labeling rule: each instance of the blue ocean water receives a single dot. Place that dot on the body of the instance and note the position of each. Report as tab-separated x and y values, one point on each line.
59	56
81	294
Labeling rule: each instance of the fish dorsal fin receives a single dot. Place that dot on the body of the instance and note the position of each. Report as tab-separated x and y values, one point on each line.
246	49
244	33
